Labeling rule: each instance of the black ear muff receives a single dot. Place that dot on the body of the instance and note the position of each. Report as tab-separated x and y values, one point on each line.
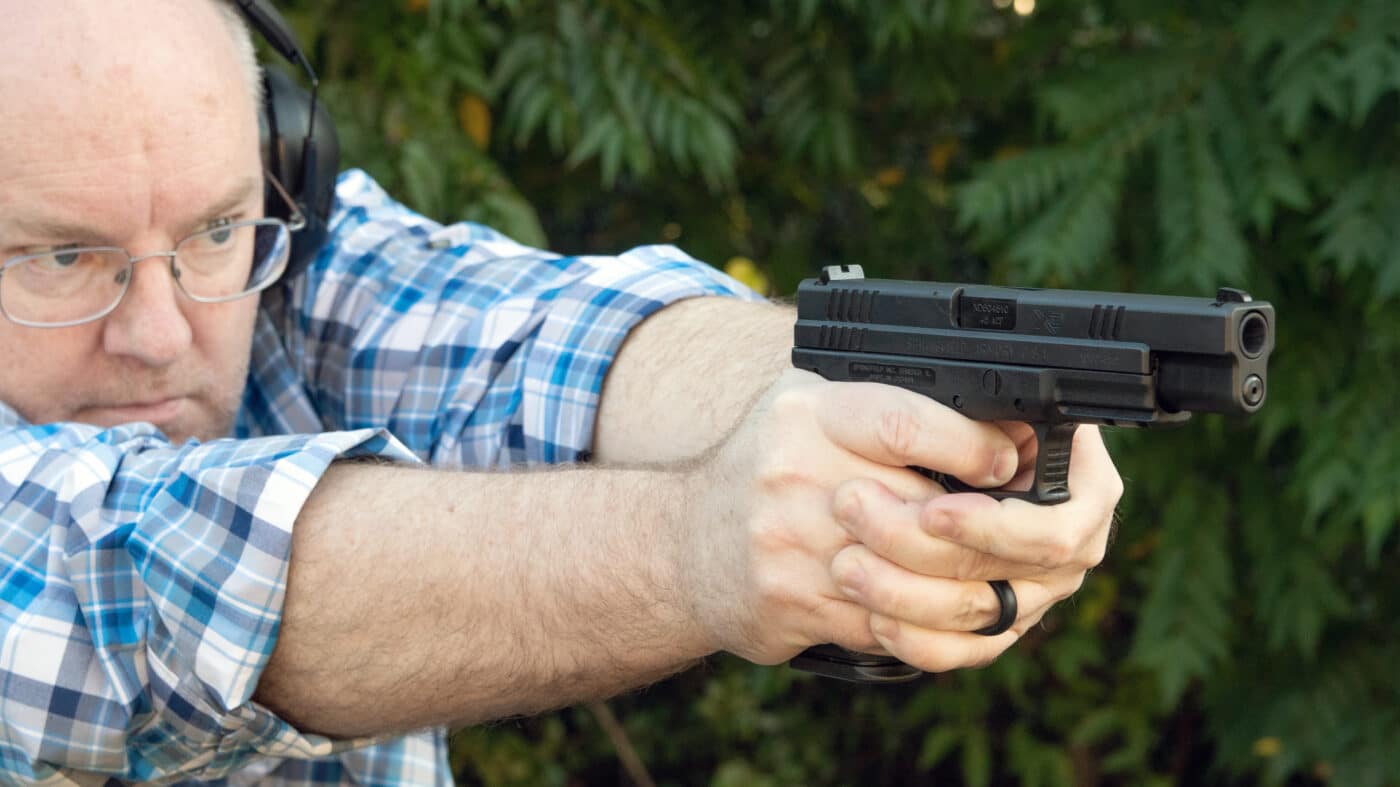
299	144
305	159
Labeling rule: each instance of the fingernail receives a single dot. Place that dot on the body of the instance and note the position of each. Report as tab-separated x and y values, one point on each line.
852	582
1005	466
846	508
936	523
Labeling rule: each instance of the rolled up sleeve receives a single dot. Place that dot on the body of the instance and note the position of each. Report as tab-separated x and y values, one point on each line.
469	347
141	591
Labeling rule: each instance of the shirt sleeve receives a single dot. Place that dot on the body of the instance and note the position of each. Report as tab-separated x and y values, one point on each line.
469	347
141	589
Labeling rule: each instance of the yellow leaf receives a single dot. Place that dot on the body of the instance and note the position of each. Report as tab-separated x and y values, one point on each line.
940	155
1008	151
417	5
744	269
889	177
475	118
1268	747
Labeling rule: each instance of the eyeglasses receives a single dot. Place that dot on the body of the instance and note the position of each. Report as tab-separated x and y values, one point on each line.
68	286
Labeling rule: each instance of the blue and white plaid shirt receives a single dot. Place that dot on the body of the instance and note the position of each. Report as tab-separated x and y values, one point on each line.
141	583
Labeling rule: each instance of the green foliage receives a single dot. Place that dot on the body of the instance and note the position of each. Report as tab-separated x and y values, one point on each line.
1245	627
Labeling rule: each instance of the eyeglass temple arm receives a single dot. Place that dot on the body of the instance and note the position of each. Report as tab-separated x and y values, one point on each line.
297	220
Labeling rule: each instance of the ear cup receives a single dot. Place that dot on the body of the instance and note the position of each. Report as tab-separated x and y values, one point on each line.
306	167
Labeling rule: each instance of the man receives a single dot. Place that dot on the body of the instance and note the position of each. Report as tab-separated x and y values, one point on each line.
203	578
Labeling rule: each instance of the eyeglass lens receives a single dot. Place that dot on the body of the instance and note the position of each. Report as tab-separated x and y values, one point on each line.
71	285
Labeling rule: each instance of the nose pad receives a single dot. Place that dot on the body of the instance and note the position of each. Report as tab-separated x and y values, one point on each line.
150	322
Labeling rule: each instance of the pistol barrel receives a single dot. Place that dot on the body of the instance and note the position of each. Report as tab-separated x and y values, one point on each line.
1201	354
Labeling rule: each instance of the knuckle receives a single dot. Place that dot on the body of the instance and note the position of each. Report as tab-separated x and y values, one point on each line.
1115	489
899	431
971	612
1057	553
862	639
971	565
797	402
1096	553
772	538
771	591
847	504
986	606
781	471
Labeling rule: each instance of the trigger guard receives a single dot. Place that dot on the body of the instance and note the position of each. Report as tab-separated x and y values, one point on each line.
955	485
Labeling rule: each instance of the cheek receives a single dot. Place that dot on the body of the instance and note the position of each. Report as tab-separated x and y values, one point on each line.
43	373
223	336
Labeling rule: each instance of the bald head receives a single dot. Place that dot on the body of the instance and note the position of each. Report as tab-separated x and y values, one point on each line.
81	27
243	45
127	123
81	69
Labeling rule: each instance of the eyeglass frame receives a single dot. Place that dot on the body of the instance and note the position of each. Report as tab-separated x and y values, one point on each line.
293	223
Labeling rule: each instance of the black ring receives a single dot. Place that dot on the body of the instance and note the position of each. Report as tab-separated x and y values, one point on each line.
1007	597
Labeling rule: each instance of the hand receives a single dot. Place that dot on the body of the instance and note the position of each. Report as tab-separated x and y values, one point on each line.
921	565
759	566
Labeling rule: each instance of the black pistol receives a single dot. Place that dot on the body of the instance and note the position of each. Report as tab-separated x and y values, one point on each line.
1052	358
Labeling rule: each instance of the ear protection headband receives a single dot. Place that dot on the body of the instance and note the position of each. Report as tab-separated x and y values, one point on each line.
299	144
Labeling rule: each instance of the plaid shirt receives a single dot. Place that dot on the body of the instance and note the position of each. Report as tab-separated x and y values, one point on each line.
141	583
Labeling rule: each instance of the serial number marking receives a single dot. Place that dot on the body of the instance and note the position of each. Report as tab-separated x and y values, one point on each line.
892	374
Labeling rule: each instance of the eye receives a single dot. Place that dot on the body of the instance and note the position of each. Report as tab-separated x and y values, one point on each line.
219	230
58	259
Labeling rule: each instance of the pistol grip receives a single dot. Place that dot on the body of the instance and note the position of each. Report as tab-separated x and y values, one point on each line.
834	661
1051	483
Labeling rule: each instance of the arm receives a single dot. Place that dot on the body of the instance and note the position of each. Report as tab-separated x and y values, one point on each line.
528	590
141	586
687	374
418	597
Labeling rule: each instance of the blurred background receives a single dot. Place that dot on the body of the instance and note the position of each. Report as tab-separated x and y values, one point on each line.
1244	627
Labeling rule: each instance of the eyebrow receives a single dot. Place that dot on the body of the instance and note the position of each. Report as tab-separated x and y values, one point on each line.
77	232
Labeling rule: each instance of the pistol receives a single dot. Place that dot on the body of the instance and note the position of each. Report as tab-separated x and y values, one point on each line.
1052	358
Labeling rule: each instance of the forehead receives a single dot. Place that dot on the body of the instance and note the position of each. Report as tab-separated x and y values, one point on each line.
121	110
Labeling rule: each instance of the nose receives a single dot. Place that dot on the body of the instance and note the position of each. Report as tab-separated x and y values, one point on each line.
149	325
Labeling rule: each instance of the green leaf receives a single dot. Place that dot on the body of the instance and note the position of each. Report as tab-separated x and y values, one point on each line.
938	744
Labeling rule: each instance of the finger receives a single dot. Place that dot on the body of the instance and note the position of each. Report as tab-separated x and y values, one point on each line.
938	651
1023	435
890	526
1052	590
847	623
900	428
1070	534
927	602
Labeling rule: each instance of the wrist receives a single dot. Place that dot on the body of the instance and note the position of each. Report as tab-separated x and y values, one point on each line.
710	557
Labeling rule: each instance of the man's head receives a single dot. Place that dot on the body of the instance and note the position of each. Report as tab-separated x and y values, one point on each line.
128	123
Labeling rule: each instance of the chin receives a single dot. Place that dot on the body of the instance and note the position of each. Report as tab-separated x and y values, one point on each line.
202	426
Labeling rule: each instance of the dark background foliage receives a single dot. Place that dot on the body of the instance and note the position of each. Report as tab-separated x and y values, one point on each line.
1244	628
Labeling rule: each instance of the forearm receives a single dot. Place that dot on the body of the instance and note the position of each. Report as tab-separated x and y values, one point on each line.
420	597
511	593
686	376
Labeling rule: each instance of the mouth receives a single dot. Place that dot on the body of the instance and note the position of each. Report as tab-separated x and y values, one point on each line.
156	412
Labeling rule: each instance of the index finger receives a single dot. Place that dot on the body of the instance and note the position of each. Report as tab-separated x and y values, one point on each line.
1073	533
891	426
